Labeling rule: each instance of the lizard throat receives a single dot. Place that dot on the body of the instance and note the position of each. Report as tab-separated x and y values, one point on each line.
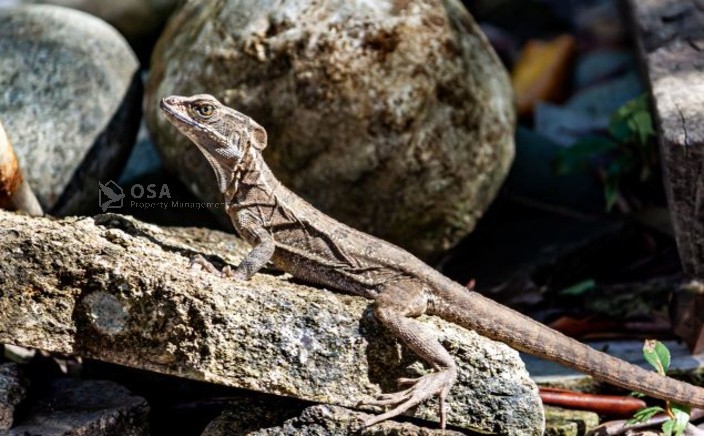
223	176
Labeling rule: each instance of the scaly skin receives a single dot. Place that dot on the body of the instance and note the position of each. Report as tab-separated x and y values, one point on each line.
299	239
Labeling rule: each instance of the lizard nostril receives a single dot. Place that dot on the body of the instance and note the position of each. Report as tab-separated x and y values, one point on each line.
165	103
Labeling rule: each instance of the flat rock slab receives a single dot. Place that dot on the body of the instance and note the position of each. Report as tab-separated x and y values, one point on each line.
321	420
73	407
670	35
114	289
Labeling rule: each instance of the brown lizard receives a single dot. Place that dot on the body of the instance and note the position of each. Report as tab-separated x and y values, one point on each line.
300	240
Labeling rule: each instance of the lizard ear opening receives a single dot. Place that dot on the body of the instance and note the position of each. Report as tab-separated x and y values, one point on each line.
258	136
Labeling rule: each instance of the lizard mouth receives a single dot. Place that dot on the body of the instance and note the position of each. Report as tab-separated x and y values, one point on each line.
169	106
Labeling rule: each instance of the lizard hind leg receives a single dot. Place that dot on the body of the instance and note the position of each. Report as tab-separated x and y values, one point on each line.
394	308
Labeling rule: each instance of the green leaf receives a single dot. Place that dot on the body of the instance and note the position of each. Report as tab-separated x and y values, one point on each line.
638	104
668	427
644	414
620	129
579	288
681	418
657	355
632	121
578	157
642	124
680	429
637	394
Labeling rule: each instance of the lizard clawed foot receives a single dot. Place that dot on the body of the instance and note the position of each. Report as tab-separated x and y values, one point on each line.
227	271
422	388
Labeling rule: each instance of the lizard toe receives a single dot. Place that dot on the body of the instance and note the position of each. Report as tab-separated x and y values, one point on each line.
427	386
391	399
200	263
407	381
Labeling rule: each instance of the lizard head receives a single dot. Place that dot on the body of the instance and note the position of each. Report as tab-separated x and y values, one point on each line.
224	136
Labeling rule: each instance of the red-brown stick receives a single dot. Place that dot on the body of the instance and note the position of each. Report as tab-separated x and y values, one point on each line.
612	405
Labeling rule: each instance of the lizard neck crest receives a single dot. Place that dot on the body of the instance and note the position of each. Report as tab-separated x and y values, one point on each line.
251	177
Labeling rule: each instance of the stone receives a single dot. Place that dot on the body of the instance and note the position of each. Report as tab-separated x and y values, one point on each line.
245	415
602	64
561	428
606	97
320	420
395	117
71	101
565	421
117	290
139	21
599	23
17	354
12	392
565	126
74	407
670	36
135	19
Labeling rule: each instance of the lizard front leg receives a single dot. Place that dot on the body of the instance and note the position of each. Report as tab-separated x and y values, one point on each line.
260	255
255	260
394	308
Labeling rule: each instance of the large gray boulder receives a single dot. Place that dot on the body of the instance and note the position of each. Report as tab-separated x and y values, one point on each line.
117	290
139	21
135	19
70	101
395	117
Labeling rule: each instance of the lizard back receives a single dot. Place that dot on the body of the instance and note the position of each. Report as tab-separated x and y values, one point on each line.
313	246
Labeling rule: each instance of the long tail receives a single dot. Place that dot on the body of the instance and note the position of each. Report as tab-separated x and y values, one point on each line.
488	318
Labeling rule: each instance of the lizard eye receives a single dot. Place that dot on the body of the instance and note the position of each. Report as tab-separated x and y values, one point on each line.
205	110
